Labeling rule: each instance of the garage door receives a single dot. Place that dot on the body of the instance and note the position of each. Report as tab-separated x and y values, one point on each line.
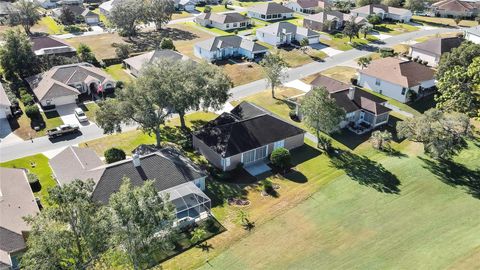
313	40
64	100
92	20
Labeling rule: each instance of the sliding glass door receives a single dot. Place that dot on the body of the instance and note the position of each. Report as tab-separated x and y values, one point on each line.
255	155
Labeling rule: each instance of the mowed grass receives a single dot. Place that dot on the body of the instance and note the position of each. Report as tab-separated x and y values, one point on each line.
428	225
395	28
129	140
243	73
48	25
101	45
185	46
41	169
443	21
443	35
22	126
118	73
344	43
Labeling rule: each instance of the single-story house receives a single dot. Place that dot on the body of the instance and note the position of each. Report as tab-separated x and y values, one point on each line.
81	14
17	201
107	7
5	9
329	20
396	78
472	34
431	50
226	21
282	33
363	110
270	11
48	45
245	136
136	63
224	47
5	104
307	6
174	174
455	8
187	5
55	3
62	84
90	17
385	12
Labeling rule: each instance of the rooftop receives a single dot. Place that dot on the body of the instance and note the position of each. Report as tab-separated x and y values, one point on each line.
286	27
138	61
4	97
439	46
270	8
231	41
233	17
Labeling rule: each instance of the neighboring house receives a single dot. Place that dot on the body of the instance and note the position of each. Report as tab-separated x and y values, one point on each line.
174	174
472	34
226	21
62	84
245	136
56	3
16	202
224	47
136	63
5	9
270	11
363	110
284	33
48	45
431	50
399	79
307	6
187	5
455	8
385	12
329	20
81	14
107	7
5	104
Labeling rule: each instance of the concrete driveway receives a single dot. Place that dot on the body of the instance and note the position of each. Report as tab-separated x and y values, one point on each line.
67	113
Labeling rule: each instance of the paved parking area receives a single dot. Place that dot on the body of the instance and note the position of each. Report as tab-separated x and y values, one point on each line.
331	51
67	113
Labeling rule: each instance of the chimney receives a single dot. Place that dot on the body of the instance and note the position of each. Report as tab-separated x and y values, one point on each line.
351	92
136	160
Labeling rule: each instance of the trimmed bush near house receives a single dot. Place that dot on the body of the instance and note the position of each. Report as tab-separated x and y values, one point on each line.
113	155
34	182
167	44
281	158
32	111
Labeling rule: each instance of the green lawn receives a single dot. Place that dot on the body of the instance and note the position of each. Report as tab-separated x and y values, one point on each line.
395	28
344	43
213	30
90	109
41	169
443	21
49	25
215	8
118	73
23	125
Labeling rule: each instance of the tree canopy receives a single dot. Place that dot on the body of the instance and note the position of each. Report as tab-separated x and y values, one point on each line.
160	12
274	68
16	55
126	15
414	5
351	29
24	13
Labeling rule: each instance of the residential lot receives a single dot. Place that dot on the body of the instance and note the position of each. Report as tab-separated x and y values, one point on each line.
443	21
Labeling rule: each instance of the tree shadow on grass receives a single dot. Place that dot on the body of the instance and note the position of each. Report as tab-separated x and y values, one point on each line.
455	174
219	192
151	40
366	172
198	124
303	154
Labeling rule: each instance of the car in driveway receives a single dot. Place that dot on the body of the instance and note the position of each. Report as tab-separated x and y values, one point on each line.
80	114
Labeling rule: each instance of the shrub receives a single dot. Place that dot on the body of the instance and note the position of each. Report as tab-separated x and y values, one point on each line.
354	80
338	35
381	139
281	158
167	44
114	154
26	98
32	111
386	52
119	84
34	182
293	114
325	144
207	9
267	186
122	51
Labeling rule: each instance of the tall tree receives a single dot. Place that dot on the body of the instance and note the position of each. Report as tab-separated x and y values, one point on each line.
361	3
321	112
141	221
73	227
392	3
85	54
374	20
351	29
126	15
443	134
461	56
274	68
67	16
381	139
414	5
160	12
364	61
365	29
24	13
16	55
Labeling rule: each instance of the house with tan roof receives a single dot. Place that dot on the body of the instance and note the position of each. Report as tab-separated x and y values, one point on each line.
225	47
284	33
16	202
174	174
455	8
63	84
385	12
307	6
431	50
330	20
135	64
226	21
269	11
399	79
5	104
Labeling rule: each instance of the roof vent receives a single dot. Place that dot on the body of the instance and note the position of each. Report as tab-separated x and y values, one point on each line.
136	160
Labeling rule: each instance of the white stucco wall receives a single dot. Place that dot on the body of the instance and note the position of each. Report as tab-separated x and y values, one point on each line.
473	38
431	58
267	38
385	88
60	100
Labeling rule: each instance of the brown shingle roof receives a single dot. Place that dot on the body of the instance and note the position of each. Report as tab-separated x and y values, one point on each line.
48	42
397	71
223	18
454	5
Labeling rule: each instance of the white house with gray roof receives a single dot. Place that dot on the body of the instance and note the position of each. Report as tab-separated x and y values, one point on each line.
270	11
282	33
223	47
473	34
136	63
385	12
226	21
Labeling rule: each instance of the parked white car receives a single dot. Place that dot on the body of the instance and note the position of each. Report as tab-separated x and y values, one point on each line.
80	115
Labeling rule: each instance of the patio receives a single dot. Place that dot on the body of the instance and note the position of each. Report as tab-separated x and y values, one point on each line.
360	128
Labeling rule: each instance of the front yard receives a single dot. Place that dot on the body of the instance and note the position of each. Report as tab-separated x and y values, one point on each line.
22	126
395	28
341	42
437	21
101	45
48	25
118	73
243	73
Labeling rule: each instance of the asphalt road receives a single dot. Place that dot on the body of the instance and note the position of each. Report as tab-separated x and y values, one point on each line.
42	144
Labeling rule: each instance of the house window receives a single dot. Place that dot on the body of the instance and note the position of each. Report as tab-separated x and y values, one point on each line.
274	16
404	90
262	16
234	25
227	25
377	82
242	24
269	17
278	144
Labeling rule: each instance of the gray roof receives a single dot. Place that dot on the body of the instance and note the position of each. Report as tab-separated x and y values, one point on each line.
221	42
167	167
4	97
138	61
379	8
45	42
439	46
233	17
330	16
11	241
5	8
270	8
286	27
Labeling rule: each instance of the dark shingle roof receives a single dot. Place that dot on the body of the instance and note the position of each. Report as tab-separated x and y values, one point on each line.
439	46
231	41
330	84
270	8
47	42
246	133
166	168
232	17
11	241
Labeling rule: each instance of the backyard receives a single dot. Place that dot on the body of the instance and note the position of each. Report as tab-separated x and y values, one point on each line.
118	73
443	21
